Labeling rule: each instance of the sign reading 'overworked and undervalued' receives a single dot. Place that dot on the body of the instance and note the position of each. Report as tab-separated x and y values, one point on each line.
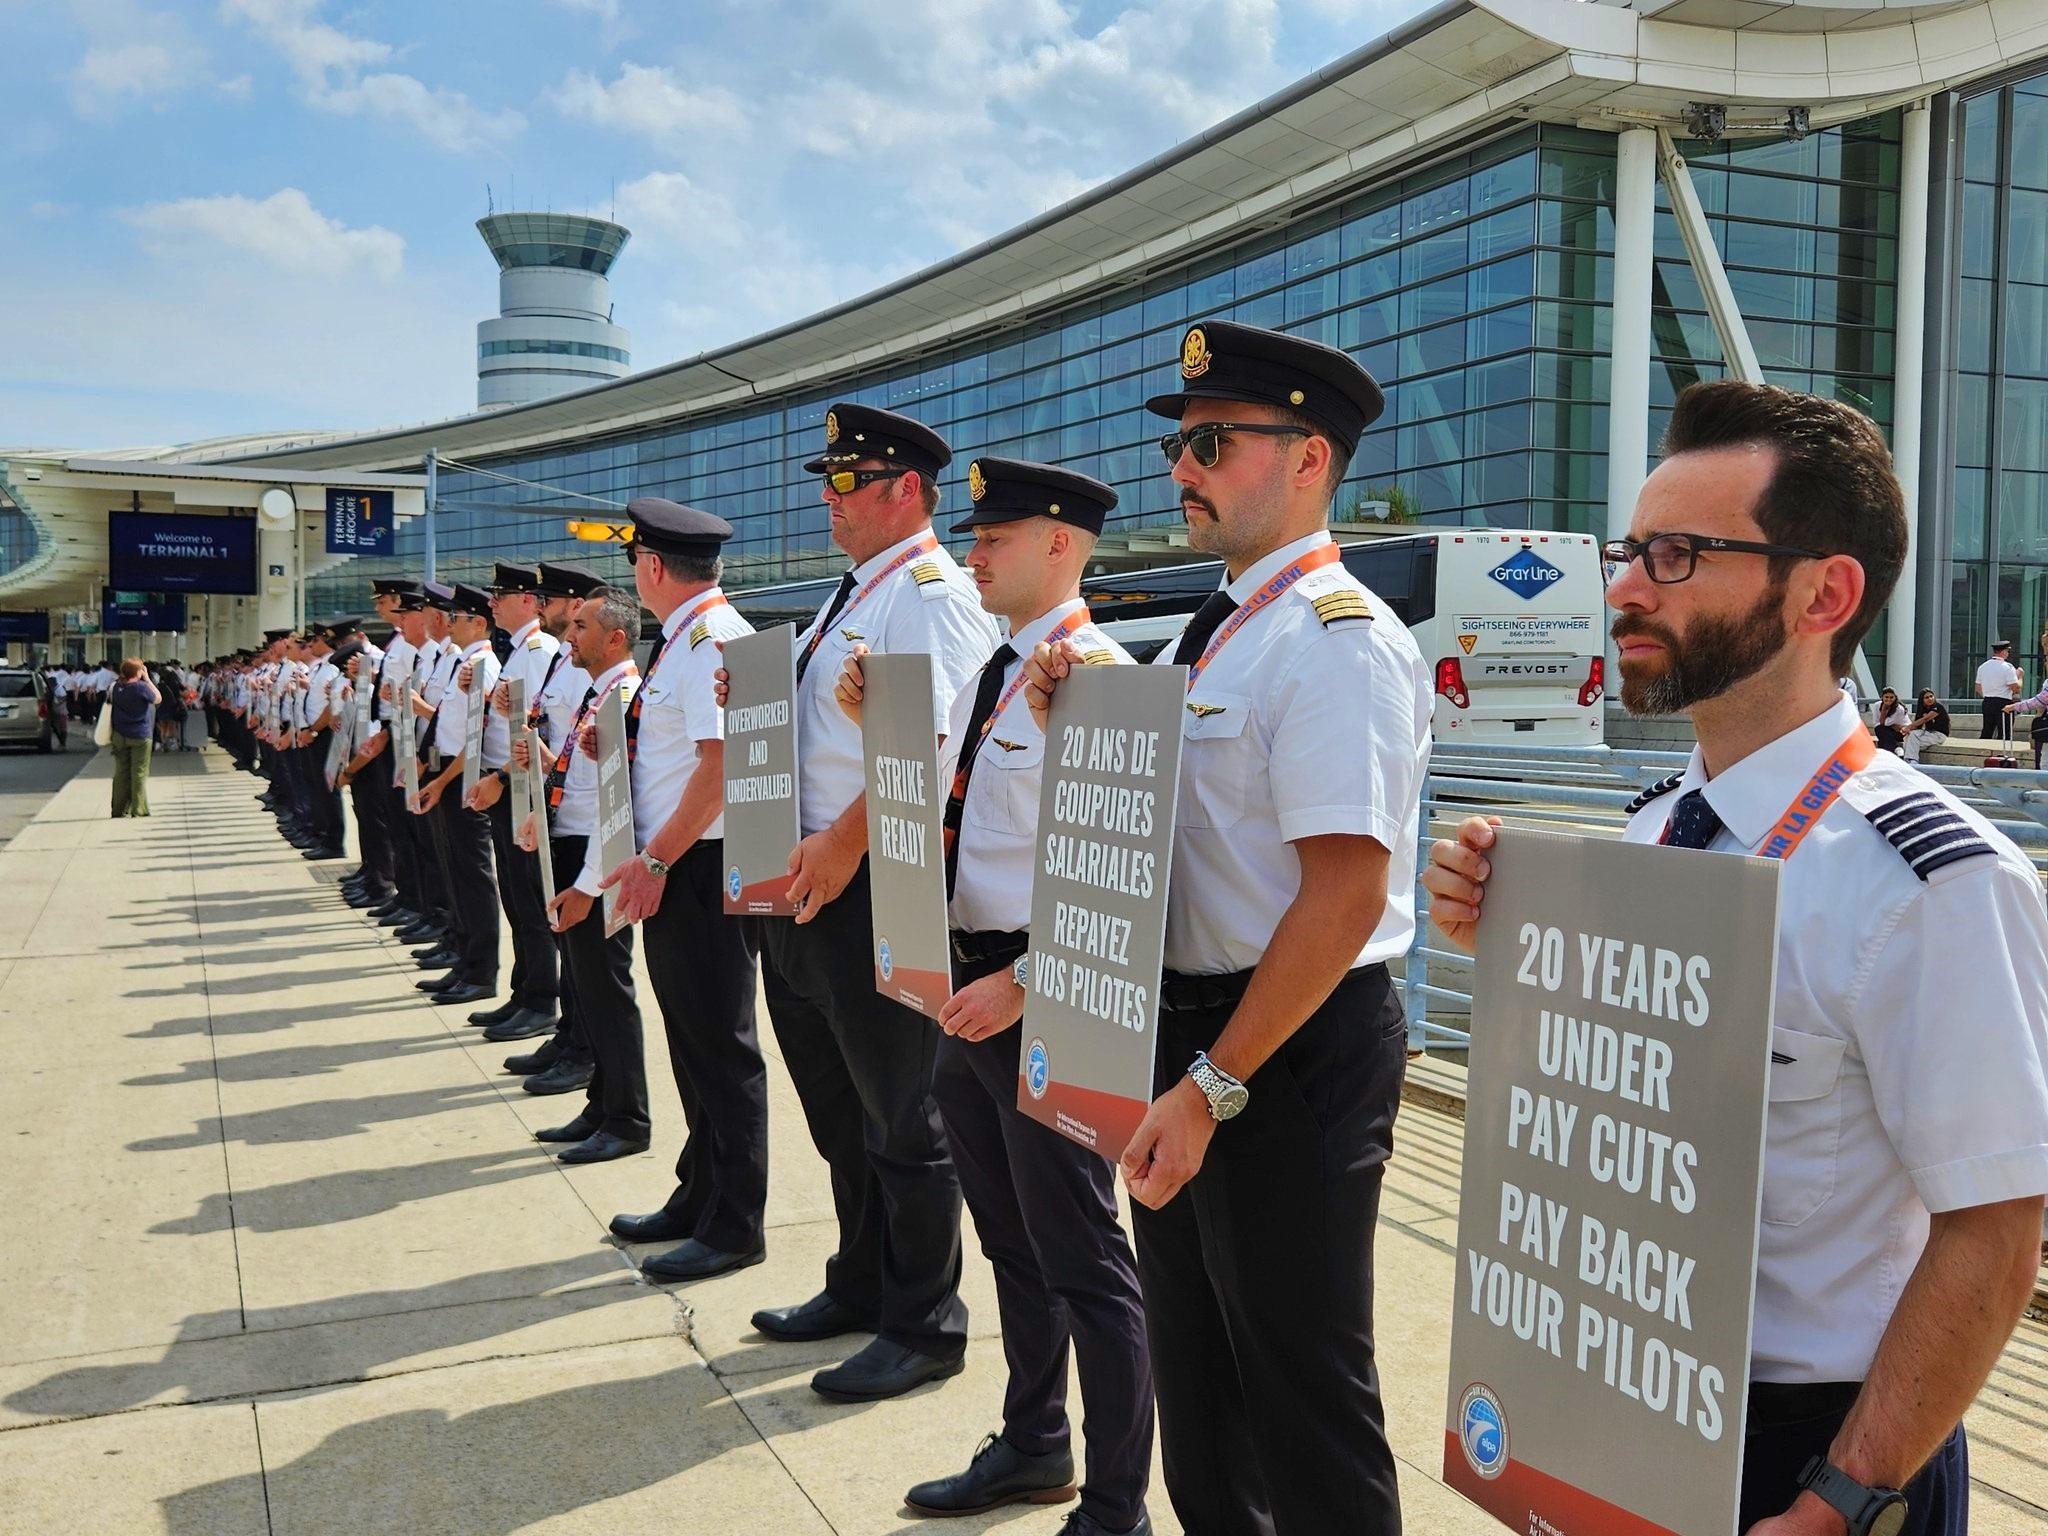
761	828
1607	1219
1098	901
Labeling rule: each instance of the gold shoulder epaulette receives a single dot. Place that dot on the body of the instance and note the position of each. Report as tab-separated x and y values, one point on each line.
1099	658
699	633
925	572
1334	607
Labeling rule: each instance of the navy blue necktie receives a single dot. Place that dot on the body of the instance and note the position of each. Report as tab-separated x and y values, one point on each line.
1693	824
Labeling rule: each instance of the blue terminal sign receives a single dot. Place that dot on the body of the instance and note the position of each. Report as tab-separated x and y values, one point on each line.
24	626
180	552
359	522
147	611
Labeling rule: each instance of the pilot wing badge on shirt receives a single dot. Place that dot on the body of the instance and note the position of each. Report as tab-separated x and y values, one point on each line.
1204	711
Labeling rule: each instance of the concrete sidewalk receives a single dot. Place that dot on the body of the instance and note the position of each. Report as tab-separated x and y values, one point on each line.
281	1255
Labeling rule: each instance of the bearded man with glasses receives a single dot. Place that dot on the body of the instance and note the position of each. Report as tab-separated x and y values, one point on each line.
1906	1137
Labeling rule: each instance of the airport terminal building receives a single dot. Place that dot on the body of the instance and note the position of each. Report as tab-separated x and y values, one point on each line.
1533	220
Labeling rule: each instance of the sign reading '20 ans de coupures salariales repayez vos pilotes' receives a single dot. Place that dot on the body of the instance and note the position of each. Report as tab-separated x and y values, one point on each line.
1607	1221
1104	853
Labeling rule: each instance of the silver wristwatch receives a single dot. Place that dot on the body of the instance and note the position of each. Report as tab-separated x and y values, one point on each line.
654	866
1226	1095
1020	972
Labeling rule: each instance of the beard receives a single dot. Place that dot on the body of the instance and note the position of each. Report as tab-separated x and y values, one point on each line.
1248	532
1713	655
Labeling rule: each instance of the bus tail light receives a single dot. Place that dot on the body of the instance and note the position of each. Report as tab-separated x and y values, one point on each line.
1596	683
1450	682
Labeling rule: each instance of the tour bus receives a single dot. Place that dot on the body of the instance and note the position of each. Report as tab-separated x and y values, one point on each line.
1510	623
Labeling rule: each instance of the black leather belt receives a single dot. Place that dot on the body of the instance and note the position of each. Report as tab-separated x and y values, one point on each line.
1201	994
1776	1404
990	948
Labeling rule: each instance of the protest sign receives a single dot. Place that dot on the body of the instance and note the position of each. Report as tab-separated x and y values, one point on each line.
1098	901
761	829
1607	1216
615	842
906	839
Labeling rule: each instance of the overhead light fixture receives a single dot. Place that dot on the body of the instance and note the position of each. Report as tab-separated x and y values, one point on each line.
1705	120
1797	124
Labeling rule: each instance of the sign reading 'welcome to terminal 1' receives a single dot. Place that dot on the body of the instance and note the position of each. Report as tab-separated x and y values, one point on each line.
173	552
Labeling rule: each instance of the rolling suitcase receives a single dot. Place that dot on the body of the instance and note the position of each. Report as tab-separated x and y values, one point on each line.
2004	759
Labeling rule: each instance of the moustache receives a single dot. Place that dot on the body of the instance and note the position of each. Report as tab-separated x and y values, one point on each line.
1632	624
1190	499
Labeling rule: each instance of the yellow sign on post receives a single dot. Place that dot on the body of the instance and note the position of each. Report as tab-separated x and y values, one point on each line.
601	533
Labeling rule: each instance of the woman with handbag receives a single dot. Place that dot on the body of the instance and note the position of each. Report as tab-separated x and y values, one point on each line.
131	712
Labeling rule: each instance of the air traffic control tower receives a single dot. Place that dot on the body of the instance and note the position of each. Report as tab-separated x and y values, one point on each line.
554	330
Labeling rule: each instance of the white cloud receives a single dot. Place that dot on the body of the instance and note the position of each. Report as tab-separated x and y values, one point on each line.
284	232
238	89
603	10
133	57
330	63
648	103
49	210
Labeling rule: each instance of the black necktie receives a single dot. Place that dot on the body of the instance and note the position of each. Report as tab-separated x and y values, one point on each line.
1216	607
970	748
803	662
1693	824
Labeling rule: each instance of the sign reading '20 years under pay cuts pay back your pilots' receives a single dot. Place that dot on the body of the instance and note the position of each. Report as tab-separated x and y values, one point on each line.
1607	1216
1098	902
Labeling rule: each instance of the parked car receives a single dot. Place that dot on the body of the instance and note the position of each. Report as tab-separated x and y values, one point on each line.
24	709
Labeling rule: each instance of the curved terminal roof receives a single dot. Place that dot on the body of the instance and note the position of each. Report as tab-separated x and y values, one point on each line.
1454	71
553	240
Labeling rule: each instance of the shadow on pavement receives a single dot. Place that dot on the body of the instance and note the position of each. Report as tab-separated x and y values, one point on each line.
291	1061
327	1198
321	1121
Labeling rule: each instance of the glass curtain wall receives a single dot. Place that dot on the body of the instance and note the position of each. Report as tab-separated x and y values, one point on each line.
2000	382
1479	291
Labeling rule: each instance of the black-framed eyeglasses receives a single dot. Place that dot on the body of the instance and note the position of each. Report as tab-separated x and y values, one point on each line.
847	481
1670	558
1206	441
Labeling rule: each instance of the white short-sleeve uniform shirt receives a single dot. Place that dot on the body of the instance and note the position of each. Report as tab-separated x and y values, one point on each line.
999	818
926	604
1297	728
1890	1095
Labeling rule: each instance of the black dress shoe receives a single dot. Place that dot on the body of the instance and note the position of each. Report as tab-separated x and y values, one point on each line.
419	931
438	947
527	1063
662	1226
497	1015
389	905
467	992
999	1474
365	900
698	1261
601	1148
582	1128
563	1077
883	1370
1081	1523
398	917
523	1025
319	853
436	983
438	958
819	1318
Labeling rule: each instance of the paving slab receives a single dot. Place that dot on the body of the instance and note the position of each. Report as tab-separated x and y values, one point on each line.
192	1472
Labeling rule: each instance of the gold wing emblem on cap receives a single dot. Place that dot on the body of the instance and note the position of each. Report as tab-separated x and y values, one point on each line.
976	486
831	427
1194	354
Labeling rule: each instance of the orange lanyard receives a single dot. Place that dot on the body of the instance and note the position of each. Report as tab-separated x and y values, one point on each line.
1315	559
1821	791
923	546
1067	626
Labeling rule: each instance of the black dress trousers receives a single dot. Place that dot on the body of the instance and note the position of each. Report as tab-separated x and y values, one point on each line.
863	1064
1773	1457
535	981
1258	1280
607	1013
701	965
1045	1211
427	858
373	830
324	799
398	822
466	838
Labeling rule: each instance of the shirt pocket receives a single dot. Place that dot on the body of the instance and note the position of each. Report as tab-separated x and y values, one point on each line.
1219	760
1804	1130
1002	793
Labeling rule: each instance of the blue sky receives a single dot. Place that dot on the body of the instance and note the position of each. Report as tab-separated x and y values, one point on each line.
259	214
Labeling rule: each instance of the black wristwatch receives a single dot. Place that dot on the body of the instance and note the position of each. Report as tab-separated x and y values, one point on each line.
1869	1511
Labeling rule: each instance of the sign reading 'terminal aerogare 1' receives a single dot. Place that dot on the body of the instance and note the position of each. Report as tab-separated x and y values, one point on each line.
1098	901
906	820
1607	1215
761	827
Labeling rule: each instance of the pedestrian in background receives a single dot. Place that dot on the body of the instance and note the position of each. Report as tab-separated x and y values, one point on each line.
1998	684
1889	722
133	700
1930	727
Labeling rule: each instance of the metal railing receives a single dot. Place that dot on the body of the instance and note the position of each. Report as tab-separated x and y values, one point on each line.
1588	788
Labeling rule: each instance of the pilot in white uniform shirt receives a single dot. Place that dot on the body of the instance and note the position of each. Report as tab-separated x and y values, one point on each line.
907	610
1889	1098
1300	726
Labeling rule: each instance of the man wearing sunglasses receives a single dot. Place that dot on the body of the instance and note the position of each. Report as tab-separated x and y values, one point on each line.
863	1062
1906	1139
1255	1176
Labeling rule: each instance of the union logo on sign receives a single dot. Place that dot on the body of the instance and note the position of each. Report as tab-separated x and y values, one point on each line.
885	960
732	882
1483	1431
1526	573
1037	1068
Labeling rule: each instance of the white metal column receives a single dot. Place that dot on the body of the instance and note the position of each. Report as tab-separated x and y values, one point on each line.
1628	409
1738	353
1909	355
